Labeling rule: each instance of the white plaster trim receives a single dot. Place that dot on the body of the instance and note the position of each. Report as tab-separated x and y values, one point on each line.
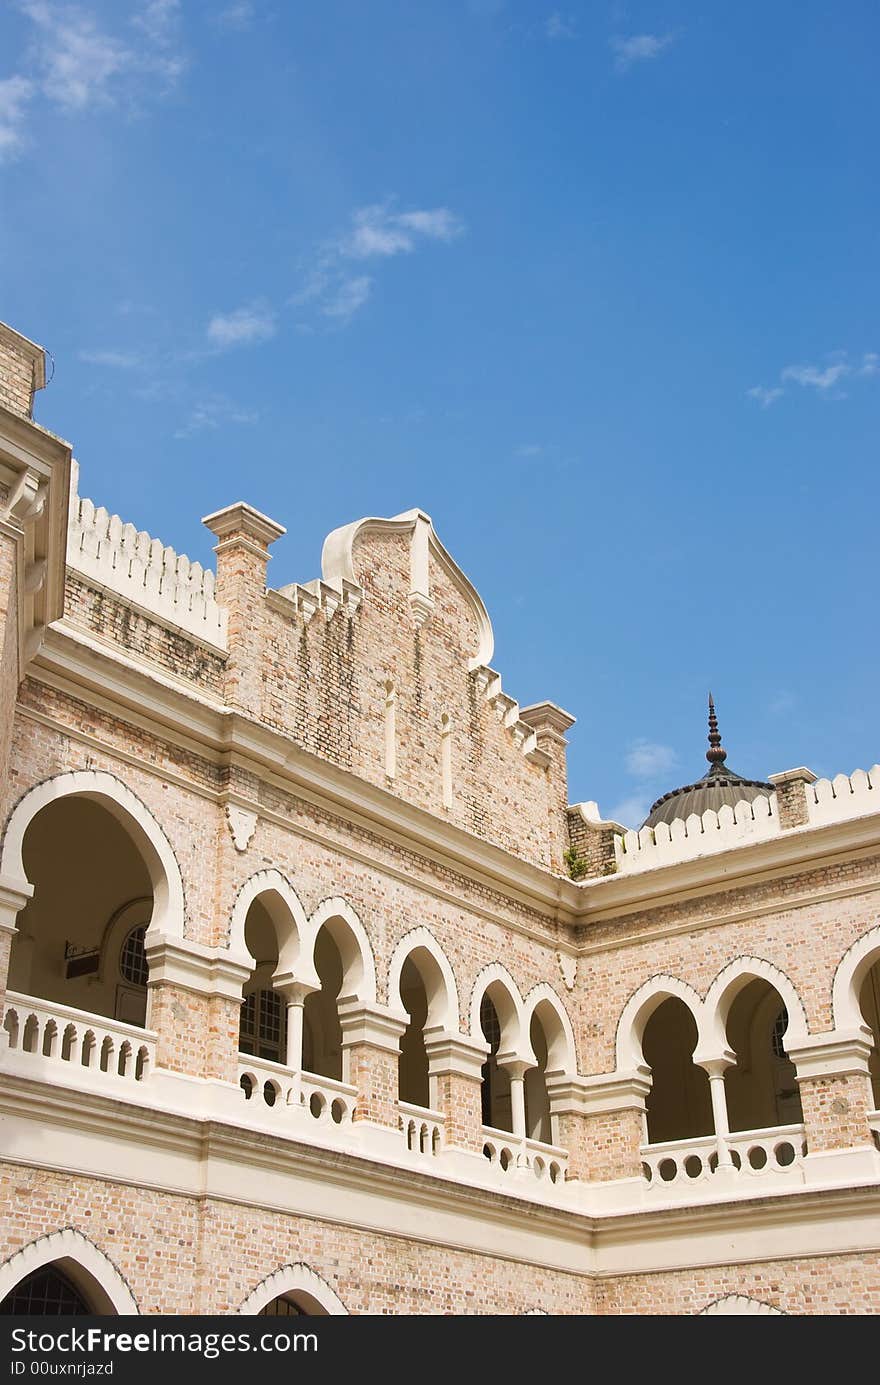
74	1252
641	1006
294	1279
514	1029
127	808
443	1010
242	825
561	1047
288	917
851	972
337	565
730	981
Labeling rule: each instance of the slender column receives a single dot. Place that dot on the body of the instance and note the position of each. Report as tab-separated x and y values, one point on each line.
716	1068
516	1067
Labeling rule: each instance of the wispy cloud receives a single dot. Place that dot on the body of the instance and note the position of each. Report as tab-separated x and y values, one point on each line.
530	449
824	379
71	60
237	16
16	93
244	326
638	48
646	759
632	810
560	26
376	232
116	360
212	412
765	397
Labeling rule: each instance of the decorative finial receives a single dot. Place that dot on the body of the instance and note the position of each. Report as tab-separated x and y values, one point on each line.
716	754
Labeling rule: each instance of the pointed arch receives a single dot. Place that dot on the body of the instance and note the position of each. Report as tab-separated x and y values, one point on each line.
559	1033
295	1279
168	915
437	975
91	1271
639	1009
350	937
851	971
732	979
738	1305
511	1011
284	907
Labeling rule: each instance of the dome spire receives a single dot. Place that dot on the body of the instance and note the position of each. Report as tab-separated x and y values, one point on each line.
716	754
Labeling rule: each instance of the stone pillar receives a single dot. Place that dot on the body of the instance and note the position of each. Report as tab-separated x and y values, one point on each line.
370	1053
716	1068
600	1122
242	559
791	796
550	724
455	1073
14	895
194	1000
592	842
835	1086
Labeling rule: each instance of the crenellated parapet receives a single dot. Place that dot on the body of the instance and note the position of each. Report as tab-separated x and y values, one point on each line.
143	570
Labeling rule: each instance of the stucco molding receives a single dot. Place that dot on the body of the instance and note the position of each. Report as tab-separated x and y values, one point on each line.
89	1268
300	1280
443	1007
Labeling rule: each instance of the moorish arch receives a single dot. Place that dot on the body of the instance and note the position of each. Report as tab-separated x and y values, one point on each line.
851	972
739	1306
339	919
497	980
543	1003
312	1294
98	786
91	1272
420	947
639	1009
288	917
733	978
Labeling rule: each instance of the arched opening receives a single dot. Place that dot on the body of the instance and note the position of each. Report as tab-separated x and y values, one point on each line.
413	1080
761	1088
293	1305
495	1091
869	1004
322	1032
80	938
538	1126
263	1022
46	1292
679	1104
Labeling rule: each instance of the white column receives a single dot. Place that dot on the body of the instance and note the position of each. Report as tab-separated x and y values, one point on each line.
716	1068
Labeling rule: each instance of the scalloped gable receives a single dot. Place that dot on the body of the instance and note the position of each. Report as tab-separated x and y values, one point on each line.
337	566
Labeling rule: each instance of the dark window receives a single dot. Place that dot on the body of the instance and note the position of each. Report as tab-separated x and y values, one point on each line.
282	1307
262	1026
45	1293
133	958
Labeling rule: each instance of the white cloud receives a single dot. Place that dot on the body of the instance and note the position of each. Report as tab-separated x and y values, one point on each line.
213	412
347	297
16	93
77	60
242	327
765	397
378	232
815	376
117	360
237	16
870	364
159	20
647	759
632	811
560	25
638	48
530	449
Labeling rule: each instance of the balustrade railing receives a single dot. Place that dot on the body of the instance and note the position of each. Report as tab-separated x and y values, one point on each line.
422	1128
48	1039
303	1094
511	1153
778	1151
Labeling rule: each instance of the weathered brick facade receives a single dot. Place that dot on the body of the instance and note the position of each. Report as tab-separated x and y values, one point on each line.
329	788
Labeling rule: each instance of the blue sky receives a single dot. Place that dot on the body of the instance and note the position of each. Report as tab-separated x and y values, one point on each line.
594	285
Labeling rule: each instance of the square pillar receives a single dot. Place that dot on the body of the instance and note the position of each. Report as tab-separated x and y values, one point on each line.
791	796
371	1036
194	1000
835	1087
600	1121
455	1071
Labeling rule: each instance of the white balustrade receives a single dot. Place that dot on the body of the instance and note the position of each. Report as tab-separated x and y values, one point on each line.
510	1153
777	1153
56	1041
281	1089
422	1128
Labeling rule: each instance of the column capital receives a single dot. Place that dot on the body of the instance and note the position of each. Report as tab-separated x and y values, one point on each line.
516	1064
294	989
14	895
366	1022
600	1093
715	1064
193	966
838	1053
451	1052
242	523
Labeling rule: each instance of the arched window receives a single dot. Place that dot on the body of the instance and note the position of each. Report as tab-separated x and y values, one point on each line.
284	1306
322	1032
262	1029
679	1105
761	1088
495	1092
47	1292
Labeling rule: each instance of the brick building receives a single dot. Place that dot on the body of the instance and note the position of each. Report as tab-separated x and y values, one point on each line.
320	997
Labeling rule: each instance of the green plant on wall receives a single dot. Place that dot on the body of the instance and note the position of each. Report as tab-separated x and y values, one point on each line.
576	864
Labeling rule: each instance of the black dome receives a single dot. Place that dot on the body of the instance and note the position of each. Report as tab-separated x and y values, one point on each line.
720	785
